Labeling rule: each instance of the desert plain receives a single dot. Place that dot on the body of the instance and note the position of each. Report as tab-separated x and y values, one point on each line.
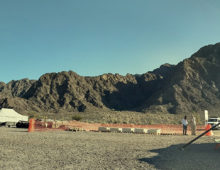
20	150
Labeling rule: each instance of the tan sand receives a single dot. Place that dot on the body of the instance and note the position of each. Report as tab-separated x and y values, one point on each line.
95	150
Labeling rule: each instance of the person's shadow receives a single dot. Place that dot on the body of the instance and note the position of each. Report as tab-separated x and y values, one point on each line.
195	157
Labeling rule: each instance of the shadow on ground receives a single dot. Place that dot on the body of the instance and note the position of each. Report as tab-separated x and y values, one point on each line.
196	156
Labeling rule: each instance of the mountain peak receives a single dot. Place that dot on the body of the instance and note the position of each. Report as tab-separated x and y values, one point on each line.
208	51
190	86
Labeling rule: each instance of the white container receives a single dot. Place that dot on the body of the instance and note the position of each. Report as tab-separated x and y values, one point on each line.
140	130
113	129
104	129
154	131
128	130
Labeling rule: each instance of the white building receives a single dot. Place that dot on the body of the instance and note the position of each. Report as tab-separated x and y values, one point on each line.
9	115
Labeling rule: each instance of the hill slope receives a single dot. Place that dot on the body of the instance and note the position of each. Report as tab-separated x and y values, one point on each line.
190	86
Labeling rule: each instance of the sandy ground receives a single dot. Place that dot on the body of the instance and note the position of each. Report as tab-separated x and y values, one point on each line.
95	150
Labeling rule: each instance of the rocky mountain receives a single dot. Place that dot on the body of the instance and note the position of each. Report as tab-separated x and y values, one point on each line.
190	86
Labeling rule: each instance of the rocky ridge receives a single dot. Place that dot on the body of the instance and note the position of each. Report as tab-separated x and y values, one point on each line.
190	86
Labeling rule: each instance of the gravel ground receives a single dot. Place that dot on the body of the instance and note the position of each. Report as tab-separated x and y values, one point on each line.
95	150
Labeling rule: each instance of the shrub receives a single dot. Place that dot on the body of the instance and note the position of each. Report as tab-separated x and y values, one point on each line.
76	117
31	116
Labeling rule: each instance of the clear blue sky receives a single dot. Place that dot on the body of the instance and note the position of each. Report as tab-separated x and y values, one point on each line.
92	37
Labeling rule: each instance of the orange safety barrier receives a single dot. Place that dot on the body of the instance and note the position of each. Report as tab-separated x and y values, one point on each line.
39	125
42	125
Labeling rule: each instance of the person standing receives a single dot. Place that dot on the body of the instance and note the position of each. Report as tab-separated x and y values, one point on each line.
185	124
193	126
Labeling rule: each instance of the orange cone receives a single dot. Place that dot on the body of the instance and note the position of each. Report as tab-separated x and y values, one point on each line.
208	126
31	125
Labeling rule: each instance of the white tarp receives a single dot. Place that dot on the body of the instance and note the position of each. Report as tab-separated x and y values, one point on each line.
9	115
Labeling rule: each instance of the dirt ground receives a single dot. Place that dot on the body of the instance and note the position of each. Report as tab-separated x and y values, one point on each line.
95	150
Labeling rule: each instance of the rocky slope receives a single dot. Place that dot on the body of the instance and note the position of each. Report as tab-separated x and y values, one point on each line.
190	86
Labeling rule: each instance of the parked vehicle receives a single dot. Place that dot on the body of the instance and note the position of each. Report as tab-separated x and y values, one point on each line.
22	124
8	124
213	121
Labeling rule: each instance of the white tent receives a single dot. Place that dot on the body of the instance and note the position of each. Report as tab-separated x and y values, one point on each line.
9	115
